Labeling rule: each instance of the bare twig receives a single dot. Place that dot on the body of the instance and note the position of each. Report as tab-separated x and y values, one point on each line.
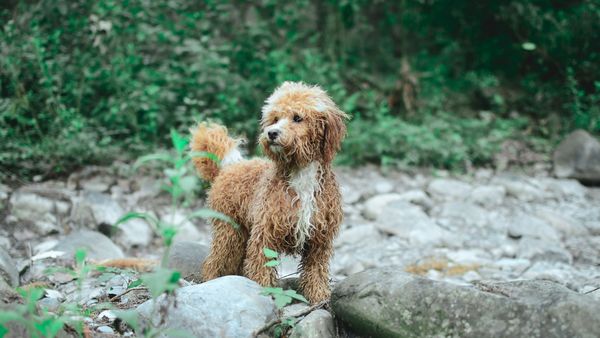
126	292
596	289
299	314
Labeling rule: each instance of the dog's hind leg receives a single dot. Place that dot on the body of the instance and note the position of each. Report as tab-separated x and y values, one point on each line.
227	251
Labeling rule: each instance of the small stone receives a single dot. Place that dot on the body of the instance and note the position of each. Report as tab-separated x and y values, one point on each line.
8	269
374	206
540	250
97	246
317	324
358	234
488	195
107	315
445	188
384	187
471	276
521	224
105	329
187	257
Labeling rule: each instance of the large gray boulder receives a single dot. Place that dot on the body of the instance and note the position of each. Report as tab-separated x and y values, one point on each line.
389	303
578	156
230	306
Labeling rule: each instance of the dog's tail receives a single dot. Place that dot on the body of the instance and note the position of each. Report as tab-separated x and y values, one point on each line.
213	138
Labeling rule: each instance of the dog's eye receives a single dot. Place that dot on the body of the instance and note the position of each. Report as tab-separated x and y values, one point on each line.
297	118
275	120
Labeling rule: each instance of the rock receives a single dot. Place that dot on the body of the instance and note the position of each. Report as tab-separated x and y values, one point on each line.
384	187
578	156
105	329
97	246
186	230
5	243
4	191
37	210
418	197
374	206
187	257
463	213
566	188
359	234
561	273
94	209
230	306
521	224
445	188
386	302
99	211
488	195
567	226
134	233
408	221
8	269
522	189
584	249
317	324
535	249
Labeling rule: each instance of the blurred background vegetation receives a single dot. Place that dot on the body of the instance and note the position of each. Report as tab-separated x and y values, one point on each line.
431	82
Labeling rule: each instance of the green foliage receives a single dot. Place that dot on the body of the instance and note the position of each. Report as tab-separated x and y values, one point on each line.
90	81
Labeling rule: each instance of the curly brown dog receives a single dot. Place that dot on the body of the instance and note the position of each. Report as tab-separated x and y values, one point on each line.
291	203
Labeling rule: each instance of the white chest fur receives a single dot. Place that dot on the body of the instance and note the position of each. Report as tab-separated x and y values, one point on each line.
306	184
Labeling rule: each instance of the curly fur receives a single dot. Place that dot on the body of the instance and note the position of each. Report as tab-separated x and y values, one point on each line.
289	203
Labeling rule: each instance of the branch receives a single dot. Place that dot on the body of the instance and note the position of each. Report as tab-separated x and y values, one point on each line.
126	292
299	314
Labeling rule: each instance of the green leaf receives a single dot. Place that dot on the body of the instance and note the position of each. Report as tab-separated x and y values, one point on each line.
179	142
272	263
3	331
168	233
7	316
270	253
282	300
295	295
210	214
130	317
528	46
49	327
196	154
134	283
153	157
141	215
80	256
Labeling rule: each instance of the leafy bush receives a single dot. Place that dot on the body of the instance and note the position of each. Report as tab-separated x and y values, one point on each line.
81	81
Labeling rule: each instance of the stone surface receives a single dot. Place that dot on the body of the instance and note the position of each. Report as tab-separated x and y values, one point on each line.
488	195
97	246
8	269
374	206
230	306
409	221
187	257
384	302
317	324
578	156
445	188
521	224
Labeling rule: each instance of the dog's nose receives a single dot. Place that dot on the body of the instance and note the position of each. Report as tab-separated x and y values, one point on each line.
273	134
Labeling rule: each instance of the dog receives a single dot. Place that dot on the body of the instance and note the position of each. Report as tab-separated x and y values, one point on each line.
289	202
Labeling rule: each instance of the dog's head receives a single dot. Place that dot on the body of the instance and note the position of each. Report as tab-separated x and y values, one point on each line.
301	124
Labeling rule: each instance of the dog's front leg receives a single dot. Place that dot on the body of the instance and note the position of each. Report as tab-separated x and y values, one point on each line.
314	280
254	265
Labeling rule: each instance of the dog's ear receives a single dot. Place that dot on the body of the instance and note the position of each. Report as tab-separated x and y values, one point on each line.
334	133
